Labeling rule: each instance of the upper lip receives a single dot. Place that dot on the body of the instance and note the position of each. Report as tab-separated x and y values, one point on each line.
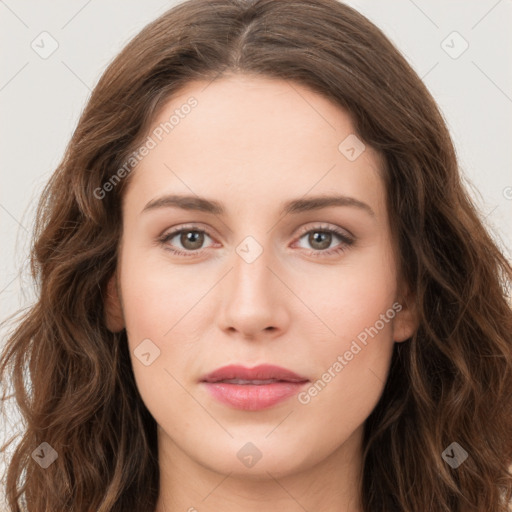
260	372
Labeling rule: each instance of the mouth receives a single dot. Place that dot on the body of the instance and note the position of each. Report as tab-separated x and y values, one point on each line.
253	389
245	382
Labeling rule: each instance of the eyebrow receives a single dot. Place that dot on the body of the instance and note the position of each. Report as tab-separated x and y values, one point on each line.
295	206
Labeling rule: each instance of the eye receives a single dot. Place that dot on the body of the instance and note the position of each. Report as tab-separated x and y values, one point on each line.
320	239
191	239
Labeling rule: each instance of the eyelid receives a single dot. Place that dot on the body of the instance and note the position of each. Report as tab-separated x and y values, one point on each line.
327	227
191	226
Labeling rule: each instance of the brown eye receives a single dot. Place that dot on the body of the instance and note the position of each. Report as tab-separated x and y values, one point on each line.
192	240
185	241
319	240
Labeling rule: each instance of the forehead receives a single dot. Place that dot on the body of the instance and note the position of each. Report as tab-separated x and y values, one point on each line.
255	136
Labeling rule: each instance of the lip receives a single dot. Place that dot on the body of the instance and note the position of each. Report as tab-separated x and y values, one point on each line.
258	395
260	372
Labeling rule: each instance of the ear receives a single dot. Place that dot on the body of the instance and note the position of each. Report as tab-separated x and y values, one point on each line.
113	310
406	320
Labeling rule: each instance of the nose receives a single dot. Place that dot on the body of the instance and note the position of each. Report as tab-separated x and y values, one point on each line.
254	300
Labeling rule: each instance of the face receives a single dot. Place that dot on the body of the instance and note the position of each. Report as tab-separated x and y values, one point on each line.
267	273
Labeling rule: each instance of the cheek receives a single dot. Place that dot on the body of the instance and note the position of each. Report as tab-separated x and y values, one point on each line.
156	294
351	298
150	304
155	312
158	319
355	355
352	375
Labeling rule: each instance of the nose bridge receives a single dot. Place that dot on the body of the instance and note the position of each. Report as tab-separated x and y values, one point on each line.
251	275
252	301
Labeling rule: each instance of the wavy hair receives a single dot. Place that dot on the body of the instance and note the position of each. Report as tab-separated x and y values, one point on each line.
450	382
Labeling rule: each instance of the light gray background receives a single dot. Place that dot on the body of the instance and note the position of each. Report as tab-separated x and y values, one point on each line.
41	99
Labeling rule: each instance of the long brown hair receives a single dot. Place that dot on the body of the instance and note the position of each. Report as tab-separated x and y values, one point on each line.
450	383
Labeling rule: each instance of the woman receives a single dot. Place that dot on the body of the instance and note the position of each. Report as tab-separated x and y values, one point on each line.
262	284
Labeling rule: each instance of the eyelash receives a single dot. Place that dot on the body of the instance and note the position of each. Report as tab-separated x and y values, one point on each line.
347	241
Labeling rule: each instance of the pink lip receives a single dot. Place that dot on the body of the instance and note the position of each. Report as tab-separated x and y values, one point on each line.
253	397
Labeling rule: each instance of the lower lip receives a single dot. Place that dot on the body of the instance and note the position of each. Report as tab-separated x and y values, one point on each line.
253	397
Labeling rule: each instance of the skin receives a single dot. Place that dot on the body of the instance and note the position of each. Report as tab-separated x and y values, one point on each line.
253	143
